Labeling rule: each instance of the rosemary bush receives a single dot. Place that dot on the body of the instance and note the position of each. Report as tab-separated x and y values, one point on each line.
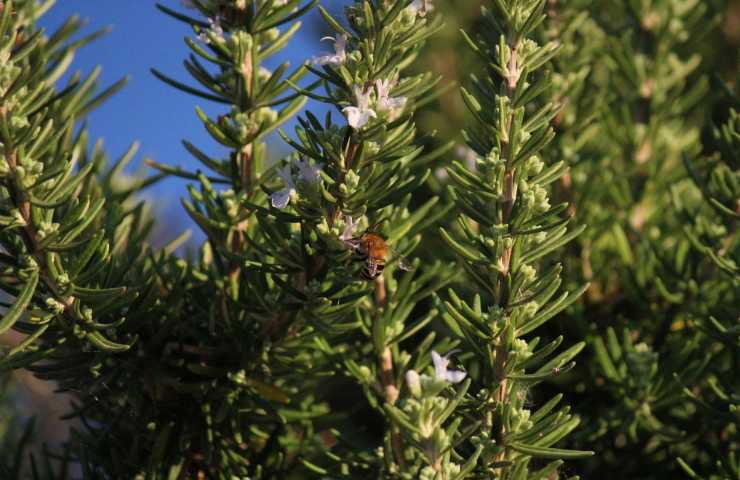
389	299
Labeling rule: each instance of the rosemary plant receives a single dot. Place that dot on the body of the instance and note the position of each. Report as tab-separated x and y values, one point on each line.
319	330
507	227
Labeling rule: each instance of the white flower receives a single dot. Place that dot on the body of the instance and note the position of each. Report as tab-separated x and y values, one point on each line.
214	29
386	103
279	3
383	88
421	7
308	172
358	116
336	58
281	198
349	228
441	372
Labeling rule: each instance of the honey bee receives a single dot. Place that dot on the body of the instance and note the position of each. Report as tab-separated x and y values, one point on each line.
375	252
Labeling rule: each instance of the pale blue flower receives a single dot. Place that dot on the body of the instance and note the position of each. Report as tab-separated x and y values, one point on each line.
338	57
307	172
421	7
281	198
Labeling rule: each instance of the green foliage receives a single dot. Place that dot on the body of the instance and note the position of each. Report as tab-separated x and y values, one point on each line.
510	225
594	212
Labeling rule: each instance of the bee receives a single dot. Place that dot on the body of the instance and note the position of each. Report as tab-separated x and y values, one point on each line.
374	250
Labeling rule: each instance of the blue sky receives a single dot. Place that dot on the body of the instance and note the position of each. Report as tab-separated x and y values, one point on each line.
147	110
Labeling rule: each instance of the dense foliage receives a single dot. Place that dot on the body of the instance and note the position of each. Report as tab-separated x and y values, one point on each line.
498	188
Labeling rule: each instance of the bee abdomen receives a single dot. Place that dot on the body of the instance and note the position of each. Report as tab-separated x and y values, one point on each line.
370	273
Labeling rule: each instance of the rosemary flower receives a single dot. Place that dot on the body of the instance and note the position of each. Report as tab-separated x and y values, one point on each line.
442	373
336	58
358	116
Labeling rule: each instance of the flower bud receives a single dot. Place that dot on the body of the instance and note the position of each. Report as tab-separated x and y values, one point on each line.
414	383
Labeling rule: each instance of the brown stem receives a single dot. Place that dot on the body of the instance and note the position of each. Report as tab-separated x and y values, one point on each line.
247	72
351	151
387	376
500	395
510	190
380	293
245	162
245	158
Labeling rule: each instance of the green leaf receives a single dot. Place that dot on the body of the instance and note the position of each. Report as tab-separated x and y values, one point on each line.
179	16
333	23
553	242
288	18
459	248
544	315
400	418
188	89
544	452
686	468
27	46
20	304
97	339
98	294
605	361
28	341
5	16
563	358
546	408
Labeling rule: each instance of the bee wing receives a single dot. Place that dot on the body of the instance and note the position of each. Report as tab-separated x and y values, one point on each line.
403	262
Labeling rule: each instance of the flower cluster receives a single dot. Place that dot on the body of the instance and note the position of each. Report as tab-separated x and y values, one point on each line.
359	114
